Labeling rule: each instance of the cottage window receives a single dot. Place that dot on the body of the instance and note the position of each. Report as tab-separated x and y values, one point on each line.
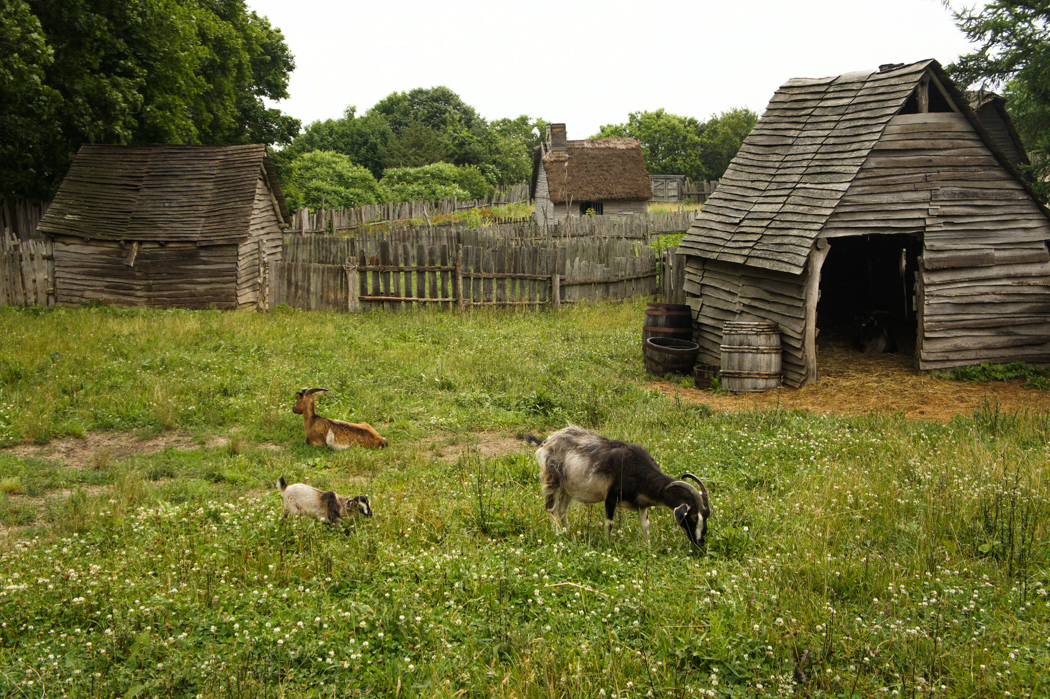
590	208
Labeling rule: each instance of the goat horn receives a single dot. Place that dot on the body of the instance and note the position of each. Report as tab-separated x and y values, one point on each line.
703	489
691	489
316	390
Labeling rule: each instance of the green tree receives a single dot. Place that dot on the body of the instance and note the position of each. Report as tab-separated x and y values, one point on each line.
722	137
28	106
676	145
1014	55
430	183
364	139
436	107
510	147
416	145
135	72
322	179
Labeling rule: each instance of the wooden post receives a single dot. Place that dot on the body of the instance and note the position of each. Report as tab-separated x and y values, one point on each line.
353	303
459	276
260	299
556	290
812	295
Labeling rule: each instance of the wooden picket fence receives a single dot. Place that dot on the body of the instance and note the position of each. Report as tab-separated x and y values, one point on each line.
352	274
26	271
337	221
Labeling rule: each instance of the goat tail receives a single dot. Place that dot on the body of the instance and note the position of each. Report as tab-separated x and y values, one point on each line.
282	484
532	439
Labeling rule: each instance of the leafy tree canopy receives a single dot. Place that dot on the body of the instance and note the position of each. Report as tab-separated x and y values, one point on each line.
422	127
433	182
1014	56
722	137
677	145
132	72
322	179
364	139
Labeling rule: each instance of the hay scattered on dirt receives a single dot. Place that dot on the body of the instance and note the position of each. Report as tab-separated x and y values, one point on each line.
856	384
86	452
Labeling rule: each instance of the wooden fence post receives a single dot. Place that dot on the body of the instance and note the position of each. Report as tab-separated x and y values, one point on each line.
556	290
460	299
353	285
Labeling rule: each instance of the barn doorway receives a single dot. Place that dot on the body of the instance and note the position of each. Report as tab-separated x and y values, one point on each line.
864	277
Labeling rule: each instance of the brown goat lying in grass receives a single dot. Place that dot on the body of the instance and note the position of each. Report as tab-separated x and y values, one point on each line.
337	434
325	505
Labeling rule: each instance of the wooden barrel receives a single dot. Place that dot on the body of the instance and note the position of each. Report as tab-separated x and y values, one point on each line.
751	356
670	355
704	375
668	320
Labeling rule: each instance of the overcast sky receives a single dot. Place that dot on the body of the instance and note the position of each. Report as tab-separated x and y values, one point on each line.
592	63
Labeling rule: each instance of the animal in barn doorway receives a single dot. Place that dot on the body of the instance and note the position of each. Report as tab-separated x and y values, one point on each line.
578	464
875	338
324	505
336	434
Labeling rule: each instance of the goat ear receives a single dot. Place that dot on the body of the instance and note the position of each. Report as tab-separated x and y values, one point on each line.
680	513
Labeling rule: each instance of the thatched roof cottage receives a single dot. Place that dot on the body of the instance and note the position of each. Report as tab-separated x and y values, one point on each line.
602	176
874	192
166	226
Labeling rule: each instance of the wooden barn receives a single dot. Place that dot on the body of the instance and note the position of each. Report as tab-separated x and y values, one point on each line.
874	193
602	176
166	226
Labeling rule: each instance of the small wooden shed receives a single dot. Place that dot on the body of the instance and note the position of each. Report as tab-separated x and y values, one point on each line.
602	176
166	226
874	192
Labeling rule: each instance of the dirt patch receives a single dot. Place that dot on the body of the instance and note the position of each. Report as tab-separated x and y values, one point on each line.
486	444
857	384
96	447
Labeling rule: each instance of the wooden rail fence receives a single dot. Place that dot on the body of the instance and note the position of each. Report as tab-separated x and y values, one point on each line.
26	271
338	220
346	274
639	227
429	266
20	216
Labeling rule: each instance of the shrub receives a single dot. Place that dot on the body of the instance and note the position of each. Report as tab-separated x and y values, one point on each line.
436	181
332	181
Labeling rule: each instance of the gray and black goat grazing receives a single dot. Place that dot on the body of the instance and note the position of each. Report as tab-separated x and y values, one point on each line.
578	464
301	499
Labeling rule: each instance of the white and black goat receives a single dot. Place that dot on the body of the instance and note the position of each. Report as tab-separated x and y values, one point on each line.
325	505
578	464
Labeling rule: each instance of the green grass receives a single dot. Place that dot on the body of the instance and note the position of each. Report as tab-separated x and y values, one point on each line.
848	557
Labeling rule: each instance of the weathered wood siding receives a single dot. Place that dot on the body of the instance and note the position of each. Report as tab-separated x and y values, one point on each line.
721	291
175	275
559	212
544	207
619	208
986	269
262	247
993	121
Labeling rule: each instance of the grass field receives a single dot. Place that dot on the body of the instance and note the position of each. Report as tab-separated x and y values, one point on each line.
865	556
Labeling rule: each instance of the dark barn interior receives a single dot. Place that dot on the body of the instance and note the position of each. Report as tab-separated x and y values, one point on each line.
865	276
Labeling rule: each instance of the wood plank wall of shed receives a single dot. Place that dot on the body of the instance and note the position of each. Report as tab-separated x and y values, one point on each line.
720	291
266	228
986	273
176	275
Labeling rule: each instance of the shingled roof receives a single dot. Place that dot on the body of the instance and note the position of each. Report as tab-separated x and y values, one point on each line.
802	156
603	169
203	194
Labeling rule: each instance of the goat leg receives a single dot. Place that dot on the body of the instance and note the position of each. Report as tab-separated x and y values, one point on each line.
611	503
